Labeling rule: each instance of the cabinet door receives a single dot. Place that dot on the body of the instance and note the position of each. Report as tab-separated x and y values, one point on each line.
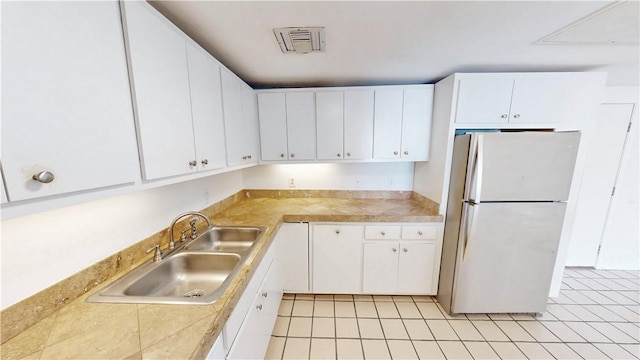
250	126
484	100
301	125
387	125
232	105
206	107
380	270
273	126
329	120
358	125
539	100
66	103
161	81
415	268
337	259
416	123
293	256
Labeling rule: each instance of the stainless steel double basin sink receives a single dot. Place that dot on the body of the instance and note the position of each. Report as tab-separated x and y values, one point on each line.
197	272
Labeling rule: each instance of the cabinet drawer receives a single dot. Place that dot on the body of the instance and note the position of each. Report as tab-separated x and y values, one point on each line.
419	232
381	232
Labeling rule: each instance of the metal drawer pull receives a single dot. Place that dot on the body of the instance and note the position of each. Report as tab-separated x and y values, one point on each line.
405	250
44	177
419	232
383	233
265	294
259	307
337	231
394	249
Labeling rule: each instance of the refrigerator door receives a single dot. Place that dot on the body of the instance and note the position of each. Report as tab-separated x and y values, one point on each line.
521	166
505	258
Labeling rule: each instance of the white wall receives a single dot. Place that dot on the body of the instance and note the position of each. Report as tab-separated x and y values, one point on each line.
42	249
354	176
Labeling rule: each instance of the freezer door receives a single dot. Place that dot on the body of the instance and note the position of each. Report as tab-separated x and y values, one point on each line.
506	254
521	166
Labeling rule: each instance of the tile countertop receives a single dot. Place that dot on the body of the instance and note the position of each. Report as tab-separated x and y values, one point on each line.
83	330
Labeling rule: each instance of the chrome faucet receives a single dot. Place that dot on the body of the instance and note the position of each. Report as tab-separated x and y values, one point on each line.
172	243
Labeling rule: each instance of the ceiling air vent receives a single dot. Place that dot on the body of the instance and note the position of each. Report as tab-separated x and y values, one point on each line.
300	40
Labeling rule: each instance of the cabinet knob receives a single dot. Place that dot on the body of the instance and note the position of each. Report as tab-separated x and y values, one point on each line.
259	307
504	116
348	154
395	153
337	231
44	177
244	157
193	163
205	162
339	155
406	152
419	232
516	116
249	157
293	155
281	155
383	233
405	250
265	294
394	249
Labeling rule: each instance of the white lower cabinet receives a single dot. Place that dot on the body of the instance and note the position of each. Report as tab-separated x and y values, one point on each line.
217	351
416	268
293	256
337	258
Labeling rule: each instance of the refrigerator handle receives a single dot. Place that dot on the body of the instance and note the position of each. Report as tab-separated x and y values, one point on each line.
479	169
469	228
475	169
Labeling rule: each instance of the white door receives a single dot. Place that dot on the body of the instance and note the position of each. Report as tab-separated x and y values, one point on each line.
539	100
66	103
598	181
301	125
620	238
387	123
380	267
416	123
358	125
233	122
337	259
273	126
415	267
329	122
293	256
158	58
484	100
206	109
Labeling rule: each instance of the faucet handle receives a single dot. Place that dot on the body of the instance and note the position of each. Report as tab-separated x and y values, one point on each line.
157	256
183	237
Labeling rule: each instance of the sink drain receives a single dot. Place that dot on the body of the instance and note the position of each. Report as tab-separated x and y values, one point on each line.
194	293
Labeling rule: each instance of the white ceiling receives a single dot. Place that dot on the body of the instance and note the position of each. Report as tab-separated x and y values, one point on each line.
397	42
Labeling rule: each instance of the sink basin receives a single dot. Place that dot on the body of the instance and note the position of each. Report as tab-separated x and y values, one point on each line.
196	273
226	239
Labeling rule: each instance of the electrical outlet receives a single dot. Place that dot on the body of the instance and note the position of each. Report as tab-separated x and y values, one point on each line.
292	182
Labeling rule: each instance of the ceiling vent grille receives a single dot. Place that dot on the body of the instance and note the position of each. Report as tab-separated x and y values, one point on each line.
300	40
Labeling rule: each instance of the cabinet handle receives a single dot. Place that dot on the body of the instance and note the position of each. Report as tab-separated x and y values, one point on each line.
293	155
383	233
249	157
395	153
419	232
259	307
244	157
265	294
405	250
193	163
44	177
205	162
337	231
338	154
516	116
348	154
406	152
281	155
504	116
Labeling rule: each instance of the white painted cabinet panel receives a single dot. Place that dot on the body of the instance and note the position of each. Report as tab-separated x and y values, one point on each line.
272	109
66	103
251	129
358	124
387	133
380	267
416	123
482	100
330	128
206	108
416	267
337	258
240	120
160	78
293	256
539	100
301	125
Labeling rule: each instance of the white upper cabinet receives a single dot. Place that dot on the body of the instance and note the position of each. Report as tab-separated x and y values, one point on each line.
301	125
206	109
511	99
66	103
330	128
402	123
358	124
240	119
272	109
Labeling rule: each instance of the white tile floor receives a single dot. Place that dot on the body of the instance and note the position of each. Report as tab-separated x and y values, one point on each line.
596	316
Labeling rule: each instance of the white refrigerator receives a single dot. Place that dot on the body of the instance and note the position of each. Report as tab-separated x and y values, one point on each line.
506	206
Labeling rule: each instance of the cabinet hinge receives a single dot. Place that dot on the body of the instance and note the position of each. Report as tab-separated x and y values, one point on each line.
629	127
613	191
599	247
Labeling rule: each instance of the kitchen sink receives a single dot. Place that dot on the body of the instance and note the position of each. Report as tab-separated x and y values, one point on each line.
196	272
